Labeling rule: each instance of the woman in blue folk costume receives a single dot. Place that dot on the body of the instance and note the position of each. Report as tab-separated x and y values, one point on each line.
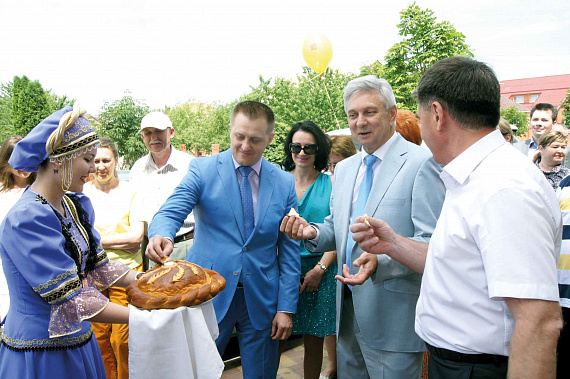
54	264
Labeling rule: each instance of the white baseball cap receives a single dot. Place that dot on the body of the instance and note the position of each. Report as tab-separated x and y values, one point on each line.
156	120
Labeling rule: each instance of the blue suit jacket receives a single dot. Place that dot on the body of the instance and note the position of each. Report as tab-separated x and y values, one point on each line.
408	194
268	261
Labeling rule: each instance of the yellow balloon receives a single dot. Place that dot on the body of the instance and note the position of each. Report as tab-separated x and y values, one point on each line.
317	51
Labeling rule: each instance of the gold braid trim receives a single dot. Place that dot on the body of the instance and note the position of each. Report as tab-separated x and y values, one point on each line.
45	344
57	279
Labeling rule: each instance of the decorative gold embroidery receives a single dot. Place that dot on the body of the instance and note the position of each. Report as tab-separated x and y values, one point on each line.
45	342
58	279
62	291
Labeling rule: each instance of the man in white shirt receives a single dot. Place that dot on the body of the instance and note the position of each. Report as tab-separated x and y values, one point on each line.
156	174
488	302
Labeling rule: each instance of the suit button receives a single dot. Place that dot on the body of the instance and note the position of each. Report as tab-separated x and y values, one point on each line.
244	248
236	273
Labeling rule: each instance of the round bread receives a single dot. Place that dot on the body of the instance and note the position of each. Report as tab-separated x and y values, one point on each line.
175	284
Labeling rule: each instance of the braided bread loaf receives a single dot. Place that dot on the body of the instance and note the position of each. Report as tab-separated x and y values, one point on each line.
175	284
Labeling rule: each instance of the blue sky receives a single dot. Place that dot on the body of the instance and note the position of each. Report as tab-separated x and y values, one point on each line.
173	51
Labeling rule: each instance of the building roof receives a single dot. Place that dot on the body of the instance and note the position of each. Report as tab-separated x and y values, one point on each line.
507	103
551	89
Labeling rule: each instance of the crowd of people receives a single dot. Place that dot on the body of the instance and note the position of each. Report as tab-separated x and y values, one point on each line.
393	250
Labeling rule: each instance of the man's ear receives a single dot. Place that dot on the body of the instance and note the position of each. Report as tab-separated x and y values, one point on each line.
440	115
171	132
270	139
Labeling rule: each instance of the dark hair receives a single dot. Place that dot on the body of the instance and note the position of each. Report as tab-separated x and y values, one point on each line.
322	140
6	178
254	110
545	107
466	88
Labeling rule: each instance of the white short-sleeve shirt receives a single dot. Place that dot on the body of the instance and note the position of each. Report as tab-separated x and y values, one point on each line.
498	236
155	185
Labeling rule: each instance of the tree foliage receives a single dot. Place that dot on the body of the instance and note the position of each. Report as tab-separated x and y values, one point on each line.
516	117
317	98
565	105
425	42
29	104
199	125
6	128
120	121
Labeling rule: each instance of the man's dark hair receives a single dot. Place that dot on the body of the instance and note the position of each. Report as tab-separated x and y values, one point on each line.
254	110
545	107
322	141
466	88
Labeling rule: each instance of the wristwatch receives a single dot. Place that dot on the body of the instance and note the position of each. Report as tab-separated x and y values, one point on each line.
322	266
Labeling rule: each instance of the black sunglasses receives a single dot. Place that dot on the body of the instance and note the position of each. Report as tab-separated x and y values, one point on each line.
308	149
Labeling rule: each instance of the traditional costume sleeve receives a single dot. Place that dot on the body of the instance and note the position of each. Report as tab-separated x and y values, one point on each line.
36	236
106	272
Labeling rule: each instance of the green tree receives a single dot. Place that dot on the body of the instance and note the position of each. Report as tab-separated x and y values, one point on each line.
516	117
565	106
6	128
317	98
57	102
29	104
120	121
200	125
425	42
375	68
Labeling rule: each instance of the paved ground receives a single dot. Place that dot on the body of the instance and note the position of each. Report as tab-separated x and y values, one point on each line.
291	366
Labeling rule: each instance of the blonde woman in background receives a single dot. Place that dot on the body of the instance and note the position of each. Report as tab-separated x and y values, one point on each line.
505	127
342	148
551	154
12	185
115	204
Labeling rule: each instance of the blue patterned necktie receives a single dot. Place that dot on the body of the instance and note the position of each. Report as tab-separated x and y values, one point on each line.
363	192
246	199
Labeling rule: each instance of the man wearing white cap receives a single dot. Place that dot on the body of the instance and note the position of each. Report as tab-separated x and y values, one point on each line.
157	174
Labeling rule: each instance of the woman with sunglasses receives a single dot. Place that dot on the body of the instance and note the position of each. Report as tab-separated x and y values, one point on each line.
307	151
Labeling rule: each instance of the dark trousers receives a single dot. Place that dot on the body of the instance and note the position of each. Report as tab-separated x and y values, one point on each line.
441	368
563	361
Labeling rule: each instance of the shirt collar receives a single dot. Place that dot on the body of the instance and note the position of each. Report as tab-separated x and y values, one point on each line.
464	164
380	153
150	164
256	166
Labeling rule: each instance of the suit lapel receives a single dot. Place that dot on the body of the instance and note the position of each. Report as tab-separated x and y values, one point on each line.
228	176
266	186
389	167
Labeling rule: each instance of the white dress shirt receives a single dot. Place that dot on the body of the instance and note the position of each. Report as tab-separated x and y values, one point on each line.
155	184
475	260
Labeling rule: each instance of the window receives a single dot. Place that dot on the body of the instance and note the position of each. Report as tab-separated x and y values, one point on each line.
533	98
518	99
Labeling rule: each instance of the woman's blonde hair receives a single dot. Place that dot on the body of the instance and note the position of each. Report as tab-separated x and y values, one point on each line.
505	127
547	139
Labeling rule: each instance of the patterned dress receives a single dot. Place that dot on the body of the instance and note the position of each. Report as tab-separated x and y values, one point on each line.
316	311
55	268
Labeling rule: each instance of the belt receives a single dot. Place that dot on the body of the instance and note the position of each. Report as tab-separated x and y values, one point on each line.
454	356
184	237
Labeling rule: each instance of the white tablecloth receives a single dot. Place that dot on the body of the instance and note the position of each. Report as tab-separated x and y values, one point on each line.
174	343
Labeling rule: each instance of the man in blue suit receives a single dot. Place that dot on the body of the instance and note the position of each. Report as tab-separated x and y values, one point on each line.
238	200
396	181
